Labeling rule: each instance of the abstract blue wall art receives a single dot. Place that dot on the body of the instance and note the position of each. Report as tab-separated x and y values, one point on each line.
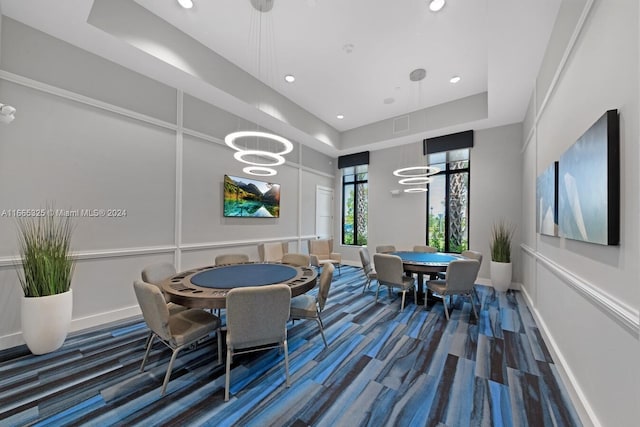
547	201
589	184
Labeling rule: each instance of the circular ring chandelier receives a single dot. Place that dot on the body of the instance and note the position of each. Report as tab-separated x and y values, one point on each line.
426	171
256	168
415	190
277	159
231	138
415	180
259	171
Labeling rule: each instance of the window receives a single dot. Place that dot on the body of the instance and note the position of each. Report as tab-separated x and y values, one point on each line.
448	202
355	189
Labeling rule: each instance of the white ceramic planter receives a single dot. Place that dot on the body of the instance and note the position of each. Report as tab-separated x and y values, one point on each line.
46	321
501	275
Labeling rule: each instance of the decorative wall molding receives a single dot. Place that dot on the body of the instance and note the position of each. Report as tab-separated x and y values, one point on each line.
236	243
564	369
626	316
63	93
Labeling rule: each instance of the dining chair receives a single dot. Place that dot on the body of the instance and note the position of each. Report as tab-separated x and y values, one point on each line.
460	280
309	307
272	251
257	320
299	260
385	249
321	253
425	249
367	268
156	274
224	259
176	331
391	274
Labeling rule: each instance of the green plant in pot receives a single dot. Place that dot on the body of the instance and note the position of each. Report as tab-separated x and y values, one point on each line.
45	277
500	245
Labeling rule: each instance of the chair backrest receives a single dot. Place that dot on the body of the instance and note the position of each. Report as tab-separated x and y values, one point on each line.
257	315
301	260
156	273
154	308
320	247
424	248
272	251
473	255
461	275
231	259
365	259
385	249
388	268
325	284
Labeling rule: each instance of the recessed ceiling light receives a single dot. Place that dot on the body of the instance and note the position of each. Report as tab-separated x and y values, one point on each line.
289	78
187	4
436	5
340	116
455	79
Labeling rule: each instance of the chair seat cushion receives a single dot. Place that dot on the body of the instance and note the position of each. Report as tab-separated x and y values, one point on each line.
189	325
437	286
303	306
175	308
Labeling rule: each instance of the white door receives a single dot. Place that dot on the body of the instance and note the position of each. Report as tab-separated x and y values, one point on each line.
324	212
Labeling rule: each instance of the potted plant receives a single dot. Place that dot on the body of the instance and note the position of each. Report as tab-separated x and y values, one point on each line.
45	278
501	270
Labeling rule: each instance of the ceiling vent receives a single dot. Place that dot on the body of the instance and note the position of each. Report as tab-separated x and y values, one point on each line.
401	124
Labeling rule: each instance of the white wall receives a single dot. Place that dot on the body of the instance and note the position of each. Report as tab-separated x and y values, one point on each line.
91	134
587	296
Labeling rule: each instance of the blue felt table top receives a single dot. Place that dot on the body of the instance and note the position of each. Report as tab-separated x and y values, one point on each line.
241	275
426	257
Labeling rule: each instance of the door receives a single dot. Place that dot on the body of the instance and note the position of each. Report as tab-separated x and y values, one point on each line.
324	212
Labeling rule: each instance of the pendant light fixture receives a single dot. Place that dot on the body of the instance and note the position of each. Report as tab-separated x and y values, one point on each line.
419	174
260	161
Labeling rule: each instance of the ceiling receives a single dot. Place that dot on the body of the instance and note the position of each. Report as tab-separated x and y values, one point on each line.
350	57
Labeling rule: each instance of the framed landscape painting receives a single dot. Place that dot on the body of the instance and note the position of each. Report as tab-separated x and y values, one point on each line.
589	184
547	201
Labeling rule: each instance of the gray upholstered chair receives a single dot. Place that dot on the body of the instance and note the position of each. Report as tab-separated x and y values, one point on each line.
300	260
176	331
156	274
321	253
257	320
425	248
460	280
367	268
309	307
390	273
272	251
385	249
231	259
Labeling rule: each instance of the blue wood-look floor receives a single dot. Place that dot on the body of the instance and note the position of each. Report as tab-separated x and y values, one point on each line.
382	368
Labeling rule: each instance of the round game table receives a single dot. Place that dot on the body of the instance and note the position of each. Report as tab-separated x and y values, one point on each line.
425	262
207	287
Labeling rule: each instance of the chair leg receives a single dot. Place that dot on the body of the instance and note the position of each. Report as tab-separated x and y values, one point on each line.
377	291
366	285
286	362
402	304
322	332
227	379
169	369
446	306
146	353
473	306
219	333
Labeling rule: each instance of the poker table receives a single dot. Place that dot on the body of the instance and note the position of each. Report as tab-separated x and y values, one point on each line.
425	262
207	287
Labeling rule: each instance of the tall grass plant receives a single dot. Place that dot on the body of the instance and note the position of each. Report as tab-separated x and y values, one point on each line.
501	235
45	246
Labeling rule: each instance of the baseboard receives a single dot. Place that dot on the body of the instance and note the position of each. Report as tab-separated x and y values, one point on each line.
580	402
516	286
80	324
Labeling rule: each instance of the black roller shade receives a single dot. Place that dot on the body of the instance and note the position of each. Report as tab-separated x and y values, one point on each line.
355	159
454	141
